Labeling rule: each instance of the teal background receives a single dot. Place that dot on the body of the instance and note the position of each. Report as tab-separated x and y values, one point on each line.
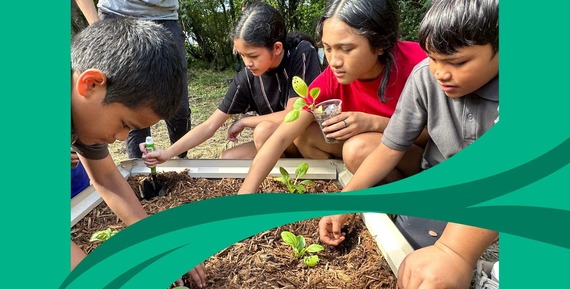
514	179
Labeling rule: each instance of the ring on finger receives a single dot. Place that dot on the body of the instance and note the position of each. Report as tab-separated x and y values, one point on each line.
345	124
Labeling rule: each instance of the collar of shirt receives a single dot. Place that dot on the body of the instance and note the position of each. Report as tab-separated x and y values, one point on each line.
490	90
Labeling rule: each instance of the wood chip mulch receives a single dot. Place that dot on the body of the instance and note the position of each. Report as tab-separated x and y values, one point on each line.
263	260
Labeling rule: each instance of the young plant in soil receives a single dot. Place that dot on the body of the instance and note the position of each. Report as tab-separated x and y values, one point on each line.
305	102
103	235
299	250
294	186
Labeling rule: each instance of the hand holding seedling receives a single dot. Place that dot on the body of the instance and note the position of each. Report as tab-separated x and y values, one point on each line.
305	102
297	243
292	185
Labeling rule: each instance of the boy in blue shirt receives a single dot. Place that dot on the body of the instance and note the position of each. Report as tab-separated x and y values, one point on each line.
454	93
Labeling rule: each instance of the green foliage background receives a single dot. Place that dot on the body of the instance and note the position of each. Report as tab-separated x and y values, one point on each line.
208	24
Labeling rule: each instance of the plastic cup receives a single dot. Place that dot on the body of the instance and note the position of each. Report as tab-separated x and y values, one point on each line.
325	110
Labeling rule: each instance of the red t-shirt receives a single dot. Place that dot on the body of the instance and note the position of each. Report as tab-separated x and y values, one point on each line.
363	95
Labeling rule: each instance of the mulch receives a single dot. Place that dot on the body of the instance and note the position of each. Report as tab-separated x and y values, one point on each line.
263	260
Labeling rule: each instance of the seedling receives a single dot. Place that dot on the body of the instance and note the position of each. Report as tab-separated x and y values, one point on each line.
305	102
102	236
299	250
294	186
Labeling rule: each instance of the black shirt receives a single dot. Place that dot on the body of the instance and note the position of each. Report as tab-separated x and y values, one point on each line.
270	91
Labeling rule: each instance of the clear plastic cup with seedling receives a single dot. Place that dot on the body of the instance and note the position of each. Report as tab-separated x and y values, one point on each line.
306	101
326	110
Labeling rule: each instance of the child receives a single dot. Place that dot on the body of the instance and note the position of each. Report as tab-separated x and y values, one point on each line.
454	93
126	74
165	13
367	70
272	58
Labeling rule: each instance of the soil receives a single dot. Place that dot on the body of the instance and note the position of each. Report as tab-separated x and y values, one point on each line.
263	260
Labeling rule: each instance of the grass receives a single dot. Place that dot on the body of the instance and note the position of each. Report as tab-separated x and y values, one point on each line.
206	89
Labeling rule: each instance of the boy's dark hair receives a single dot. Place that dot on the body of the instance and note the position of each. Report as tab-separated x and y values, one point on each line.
451	24
140	60
377	20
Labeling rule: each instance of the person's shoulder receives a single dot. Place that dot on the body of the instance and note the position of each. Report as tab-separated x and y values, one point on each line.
421	70
304	46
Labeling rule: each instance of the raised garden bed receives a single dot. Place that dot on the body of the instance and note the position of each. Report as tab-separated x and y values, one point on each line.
263	260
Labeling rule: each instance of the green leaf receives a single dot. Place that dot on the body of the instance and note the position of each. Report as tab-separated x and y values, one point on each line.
290	187
286	177
296	252
103	235
301	253
301	170
314	248
299	188
289	238
280	179
299	86
315	91
299	103
311	261
307	182
300	242
292	115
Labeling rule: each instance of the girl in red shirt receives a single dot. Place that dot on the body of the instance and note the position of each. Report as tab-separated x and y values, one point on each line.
367	70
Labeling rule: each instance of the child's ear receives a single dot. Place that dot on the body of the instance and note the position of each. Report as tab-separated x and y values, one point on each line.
277	48
90	80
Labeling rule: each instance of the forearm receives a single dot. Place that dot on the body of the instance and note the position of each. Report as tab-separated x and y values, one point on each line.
197	135
467	241
253	121
376	123
264	161
114	189
271	151
89	10
190	140
374	168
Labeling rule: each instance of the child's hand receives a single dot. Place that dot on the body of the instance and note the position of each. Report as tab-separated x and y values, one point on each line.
151	159
329	229
345	125
434	267
234	130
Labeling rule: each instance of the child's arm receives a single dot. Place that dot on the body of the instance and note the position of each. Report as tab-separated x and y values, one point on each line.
191	139
114	189
271	151
372	170
449	263
252	121
119	196
89	10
